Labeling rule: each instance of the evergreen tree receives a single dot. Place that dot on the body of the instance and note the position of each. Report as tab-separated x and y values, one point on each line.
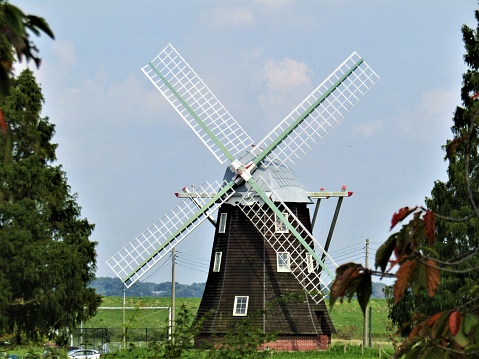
455	204
435	298
46	258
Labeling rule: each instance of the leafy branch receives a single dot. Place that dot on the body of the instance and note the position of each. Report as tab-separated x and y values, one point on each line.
15	29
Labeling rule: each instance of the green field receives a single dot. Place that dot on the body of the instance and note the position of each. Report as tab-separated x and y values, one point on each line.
137	318
347	317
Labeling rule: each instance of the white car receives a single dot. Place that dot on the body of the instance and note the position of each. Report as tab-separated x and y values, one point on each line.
84	354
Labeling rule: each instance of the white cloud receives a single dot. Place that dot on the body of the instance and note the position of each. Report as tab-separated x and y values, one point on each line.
285	84
284	75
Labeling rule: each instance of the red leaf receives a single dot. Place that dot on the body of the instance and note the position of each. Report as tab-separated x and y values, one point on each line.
430	228
433	277
3	123
455	322
346	281
403	276
400	215
433	319
414	331
384	252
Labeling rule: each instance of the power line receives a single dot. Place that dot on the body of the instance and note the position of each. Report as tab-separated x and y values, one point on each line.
195	269
192	262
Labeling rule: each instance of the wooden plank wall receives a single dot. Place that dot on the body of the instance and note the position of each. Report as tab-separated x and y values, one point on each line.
277	302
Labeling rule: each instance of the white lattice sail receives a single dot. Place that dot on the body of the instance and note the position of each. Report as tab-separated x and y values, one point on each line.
312	267
284	145
147	249
317	114
197	105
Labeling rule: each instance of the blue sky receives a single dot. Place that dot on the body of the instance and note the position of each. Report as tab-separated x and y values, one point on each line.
126	152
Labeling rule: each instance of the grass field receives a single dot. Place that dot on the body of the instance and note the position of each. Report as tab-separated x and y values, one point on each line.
347	317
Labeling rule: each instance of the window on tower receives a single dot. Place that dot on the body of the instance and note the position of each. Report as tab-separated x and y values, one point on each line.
240	306
217	263
282	262
222	226
279	226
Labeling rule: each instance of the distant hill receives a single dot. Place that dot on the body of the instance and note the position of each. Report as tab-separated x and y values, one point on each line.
378	290
107	286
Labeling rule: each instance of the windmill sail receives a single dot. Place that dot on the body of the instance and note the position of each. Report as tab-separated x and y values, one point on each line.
308	261
293	245
136	258
317	114
226	140
197	105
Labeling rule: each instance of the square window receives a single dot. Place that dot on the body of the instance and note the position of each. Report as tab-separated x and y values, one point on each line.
279	226
217	264
240	306
222	226
282	262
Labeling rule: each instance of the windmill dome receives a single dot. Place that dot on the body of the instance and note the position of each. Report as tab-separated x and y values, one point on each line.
282	179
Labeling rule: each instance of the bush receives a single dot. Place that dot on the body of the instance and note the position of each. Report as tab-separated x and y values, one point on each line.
346	332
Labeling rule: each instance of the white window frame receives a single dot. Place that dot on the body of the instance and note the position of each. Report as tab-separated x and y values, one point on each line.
217	262
240	308
222	225
280	266
279	226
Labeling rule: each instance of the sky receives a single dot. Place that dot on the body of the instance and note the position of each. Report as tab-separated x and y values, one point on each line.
126	152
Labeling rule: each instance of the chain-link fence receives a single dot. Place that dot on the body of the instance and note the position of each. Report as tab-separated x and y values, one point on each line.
106	339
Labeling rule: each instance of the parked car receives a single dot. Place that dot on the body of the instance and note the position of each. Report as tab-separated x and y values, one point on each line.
84	354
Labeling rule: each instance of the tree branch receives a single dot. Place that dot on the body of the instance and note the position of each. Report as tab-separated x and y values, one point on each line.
444	269
453	219
468	155
464	257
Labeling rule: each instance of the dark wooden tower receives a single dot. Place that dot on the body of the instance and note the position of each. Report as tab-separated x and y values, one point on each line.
246	278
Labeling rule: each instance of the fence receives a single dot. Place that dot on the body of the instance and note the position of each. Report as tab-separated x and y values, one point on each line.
106	339
119	334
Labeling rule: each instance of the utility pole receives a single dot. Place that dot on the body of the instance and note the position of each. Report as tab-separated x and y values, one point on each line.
365	324
173	294
124	321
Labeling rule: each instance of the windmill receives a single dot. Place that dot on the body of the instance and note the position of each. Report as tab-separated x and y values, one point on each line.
263	247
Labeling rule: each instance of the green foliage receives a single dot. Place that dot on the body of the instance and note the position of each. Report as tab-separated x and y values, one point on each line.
46	257
183	335
54	352
176	346
15	28
243	340
346	332
336	351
